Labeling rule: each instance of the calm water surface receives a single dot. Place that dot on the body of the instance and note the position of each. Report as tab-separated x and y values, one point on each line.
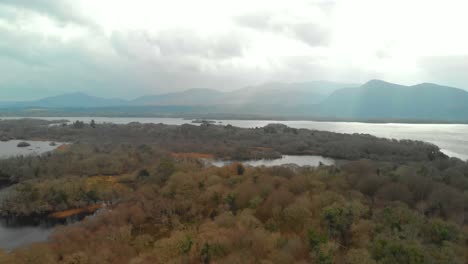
12	233
14	237
10	148
18	232
313	161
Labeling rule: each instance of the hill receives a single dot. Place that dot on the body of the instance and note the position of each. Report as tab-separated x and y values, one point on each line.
289	94
377	99
264	94
73	100
188	97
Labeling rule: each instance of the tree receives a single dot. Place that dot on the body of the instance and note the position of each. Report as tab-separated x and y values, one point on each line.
205	254
314	239
440	231
186	245
447	202
359	256
143	173
338	220
395	192
231	202
164	170
369	184
78	124
389	251
240	169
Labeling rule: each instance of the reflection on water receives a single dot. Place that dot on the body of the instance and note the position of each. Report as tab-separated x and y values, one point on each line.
17	232
312	161
14	237
10	148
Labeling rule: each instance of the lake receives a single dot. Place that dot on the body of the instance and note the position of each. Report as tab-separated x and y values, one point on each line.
14	233
10	148
12	237
451	138
17	232
308	160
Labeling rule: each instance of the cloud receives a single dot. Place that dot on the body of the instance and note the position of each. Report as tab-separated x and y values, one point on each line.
62	10
39	65
46	65
309	31
129	48
189	43
326	5
178	43
449	70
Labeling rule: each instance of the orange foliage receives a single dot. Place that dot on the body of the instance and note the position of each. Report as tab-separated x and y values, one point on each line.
71	212
62	148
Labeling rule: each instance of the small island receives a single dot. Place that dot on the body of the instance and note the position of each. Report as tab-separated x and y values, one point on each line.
203	121
23	144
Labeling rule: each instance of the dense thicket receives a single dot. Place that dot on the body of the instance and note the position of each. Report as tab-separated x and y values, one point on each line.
390	208
355	214
228	141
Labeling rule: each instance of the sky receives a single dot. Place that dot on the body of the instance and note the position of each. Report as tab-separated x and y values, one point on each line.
129	48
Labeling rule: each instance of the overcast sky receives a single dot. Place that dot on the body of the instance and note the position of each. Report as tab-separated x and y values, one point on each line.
127	48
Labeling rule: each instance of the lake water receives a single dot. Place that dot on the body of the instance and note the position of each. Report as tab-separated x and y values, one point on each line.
451	138
10	148
313	161
19	231
14	237
14	234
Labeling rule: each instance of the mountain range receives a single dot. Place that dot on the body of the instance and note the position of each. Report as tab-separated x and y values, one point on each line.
374	100
377	99
277	93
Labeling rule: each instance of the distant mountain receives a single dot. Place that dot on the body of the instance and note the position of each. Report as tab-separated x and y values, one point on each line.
279	93
319	87
378	99
374	100
7	104
266	94
73	100
188	97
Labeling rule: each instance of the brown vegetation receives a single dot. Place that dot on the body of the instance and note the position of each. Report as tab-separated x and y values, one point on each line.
387	209
271	215
192	155
72	212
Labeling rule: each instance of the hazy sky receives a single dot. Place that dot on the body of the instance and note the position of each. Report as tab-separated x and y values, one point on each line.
127	48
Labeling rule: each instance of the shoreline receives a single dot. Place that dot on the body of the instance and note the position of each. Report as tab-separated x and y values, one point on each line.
230	117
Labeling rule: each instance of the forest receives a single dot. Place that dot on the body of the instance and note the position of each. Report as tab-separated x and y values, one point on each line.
384	201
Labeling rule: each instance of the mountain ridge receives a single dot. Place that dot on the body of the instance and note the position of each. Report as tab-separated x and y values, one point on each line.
194	96
373	100
379	99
